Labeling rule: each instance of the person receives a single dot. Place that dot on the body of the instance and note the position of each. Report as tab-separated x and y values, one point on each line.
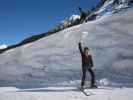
87	64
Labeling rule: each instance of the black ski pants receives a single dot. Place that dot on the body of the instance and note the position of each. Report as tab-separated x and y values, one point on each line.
84	70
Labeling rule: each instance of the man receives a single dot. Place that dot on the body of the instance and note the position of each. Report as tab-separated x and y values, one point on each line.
87	64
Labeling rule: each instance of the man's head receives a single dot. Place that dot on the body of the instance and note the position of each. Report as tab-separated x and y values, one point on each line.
86	50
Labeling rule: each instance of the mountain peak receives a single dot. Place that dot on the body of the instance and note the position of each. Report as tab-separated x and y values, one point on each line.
3	46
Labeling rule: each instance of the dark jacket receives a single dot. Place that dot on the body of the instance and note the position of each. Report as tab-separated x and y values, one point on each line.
86	61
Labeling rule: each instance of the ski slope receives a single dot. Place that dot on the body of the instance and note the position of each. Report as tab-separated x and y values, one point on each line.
55	60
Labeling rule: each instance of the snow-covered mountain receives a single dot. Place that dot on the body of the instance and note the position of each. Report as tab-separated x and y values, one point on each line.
55	59
113	6
68	22
3	46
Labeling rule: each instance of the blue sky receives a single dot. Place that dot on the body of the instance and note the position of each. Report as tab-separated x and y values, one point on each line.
22	18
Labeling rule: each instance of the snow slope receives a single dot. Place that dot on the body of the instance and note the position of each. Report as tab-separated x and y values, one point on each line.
113	6
55	60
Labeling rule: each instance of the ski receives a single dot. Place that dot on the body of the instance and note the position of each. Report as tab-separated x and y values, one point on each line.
85	93
106	88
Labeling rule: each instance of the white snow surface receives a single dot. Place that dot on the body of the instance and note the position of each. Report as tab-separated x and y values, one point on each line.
74	17
70	20
3	46
65	93
109	7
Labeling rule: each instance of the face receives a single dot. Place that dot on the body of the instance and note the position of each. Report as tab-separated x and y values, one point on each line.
86	52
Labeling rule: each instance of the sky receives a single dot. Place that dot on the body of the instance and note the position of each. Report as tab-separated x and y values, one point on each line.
20	19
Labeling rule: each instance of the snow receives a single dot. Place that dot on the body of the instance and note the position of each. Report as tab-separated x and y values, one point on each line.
104	82
51	66
70	20
109	7
74	17
55	60
84	34
3	46
67	93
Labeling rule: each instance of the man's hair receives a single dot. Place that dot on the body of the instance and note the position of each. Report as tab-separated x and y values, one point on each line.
86	48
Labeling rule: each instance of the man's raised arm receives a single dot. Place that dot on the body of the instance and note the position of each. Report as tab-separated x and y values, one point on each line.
80	48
